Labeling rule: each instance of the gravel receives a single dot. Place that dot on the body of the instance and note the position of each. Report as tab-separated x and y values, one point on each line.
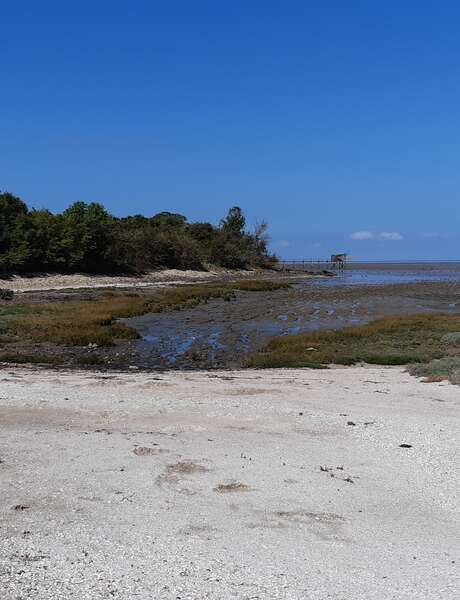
232	484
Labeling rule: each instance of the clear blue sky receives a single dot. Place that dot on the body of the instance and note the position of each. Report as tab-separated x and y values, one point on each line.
331	120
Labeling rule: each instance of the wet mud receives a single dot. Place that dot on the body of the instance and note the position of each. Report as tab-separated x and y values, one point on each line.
222	334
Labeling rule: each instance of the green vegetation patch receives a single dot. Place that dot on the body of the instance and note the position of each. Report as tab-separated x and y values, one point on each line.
451	340
256	285
438	369
389	341
30	358
90	360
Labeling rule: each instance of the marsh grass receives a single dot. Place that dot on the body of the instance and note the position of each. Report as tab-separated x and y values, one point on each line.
451	340
256	285
94	321
30	358
89	360
390	341
438	369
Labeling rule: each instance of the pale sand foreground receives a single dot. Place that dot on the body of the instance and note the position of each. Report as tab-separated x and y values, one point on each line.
109	485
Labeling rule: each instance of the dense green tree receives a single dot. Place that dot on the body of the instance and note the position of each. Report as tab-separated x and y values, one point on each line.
85	237
44	238
11	208
234	223
14	249
227	252
168	221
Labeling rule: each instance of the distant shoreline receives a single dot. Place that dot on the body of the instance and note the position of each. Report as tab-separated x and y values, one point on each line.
42	282
400	264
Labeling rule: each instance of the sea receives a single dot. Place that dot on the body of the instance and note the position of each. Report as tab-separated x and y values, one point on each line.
383	273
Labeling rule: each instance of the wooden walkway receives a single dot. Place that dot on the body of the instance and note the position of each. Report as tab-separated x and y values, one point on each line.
311	265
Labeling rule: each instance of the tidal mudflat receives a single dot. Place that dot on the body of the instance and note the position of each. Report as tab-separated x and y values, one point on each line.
207	325
223	334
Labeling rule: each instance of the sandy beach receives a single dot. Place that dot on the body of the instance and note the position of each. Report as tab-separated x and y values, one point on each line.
75	281
278	484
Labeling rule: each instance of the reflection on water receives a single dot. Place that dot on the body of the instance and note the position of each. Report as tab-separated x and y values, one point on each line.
392	274
174	340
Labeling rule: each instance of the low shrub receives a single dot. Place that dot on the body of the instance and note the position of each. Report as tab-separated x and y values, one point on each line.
6	294
441	368
451	339
90	360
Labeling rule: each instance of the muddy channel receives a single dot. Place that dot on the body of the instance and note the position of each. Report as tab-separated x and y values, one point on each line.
223	333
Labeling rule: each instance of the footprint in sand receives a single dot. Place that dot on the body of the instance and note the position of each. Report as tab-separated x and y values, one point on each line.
180	477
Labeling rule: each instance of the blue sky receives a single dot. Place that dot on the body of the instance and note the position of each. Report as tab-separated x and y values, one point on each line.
337	122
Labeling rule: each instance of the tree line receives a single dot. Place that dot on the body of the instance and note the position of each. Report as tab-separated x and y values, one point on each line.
86	237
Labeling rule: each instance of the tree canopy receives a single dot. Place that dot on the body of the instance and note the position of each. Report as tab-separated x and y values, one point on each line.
86	237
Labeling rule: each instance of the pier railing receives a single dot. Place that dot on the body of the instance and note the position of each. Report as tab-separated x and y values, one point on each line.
328	265
311	265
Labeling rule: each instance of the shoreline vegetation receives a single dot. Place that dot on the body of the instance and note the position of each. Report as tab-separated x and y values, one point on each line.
427	343
87	238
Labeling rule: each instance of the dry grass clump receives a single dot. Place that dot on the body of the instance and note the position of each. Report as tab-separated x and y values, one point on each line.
94	321
17	358
451	340
77	323
256	285
389	341
6	294
90	360
439	369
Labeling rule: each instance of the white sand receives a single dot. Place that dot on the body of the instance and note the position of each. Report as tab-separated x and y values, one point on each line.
94	519
83	280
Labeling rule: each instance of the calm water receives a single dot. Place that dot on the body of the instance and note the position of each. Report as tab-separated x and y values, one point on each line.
387	273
